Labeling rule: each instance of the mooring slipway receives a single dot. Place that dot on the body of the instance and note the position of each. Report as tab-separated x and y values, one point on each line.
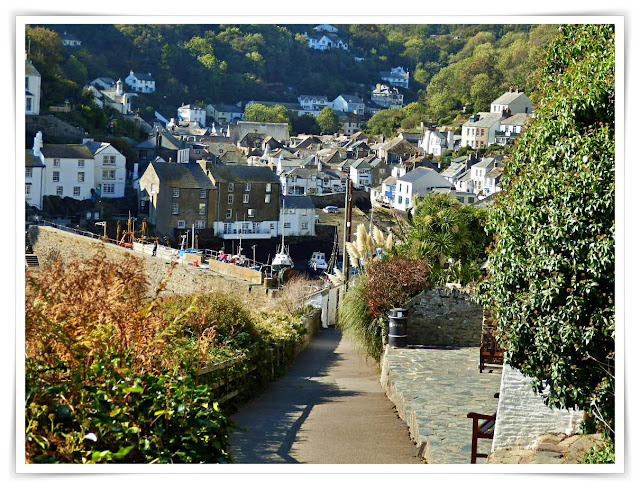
329	408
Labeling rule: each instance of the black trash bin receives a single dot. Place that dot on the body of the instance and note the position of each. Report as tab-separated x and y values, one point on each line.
398	327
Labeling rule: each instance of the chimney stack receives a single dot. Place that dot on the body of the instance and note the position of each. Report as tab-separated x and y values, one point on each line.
37	144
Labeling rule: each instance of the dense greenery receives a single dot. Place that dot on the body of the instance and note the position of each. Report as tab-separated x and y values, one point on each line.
451	66
115	376
440	228
552	277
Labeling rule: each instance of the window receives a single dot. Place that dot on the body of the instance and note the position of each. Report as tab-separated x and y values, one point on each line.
108	174
203	194
56	176
231	187
56	163
251	213
287	225
200	224
28	172
304	225
267	198
228	227
109	160
58	190
230	200
245	198
76	191
29	104
247	187
303	212
175	208
202	209
182	224
154	189
80	163
81	176
176	192
268	188
27	189
229	214
26	82
108	188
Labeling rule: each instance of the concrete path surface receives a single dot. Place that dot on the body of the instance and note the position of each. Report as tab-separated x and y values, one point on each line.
329	408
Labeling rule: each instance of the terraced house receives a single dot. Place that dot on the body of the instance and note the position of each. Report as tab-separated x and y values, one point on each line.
231	200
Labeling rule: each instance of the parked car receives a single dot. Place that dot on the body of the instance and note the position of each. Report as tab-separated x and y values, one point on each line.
331	209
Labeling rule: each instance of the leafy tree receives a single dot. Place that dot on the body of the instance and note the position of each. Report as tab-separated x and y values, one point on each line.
328	121
305	124
552	268
262	113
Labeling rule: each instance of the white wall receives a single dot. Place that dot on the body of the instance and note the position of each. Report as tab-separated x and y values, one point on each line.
522	416
119	167
68	171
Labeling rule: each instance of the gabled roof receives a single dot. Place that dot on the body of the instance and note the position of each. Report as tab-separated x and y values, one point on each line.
352	99
516	119
298	202
75	151
495	173
143	76
244	173
485	162
30	70
487	119
31	161
425	177
508	97
454	169
361	164
181	175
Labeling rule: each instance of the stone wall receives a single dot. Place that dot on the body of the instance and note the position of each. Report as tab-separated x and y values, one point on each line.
443	318
523	417
49	242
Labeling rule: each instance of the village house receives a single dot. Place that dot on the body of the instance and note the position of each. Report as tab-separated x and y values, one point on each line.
313	104
162	144
418	182
32	81
348	103
277	130
512	102
298	216
234	201
33	180
511	127
397	149
69	40
360	174
323	41
223	114
479	172
141	82
387	97
480	130
114	97
350	123
79	171
193	113
397	77
492	181
435	143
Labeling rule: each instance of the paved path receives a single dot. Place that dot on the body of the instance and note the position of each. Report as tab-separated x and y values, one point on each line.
434	389
329	408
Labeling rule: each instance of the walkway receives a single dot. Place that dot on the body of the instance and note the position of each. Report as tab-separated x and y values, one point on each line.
434	389
329	408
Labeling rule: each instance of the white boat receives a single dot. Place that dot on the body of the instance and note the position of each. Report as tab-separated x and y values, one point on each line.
317	262
281	260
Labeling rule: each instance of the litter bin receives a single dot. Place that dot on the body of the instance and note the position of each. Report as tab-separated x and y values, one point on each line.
398	327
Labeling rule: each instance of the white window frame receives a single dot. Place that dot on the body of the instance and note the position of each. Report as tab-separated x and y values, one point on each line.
59	190
247	187
229	214
28	172
203	194
200	224
230	199
230	186
80	176
251	213
76	191
55	176
175	208
56	162
268	188
202	209
27	189
108	174
175	192
267	198
108	188
182	224
80	163
245	198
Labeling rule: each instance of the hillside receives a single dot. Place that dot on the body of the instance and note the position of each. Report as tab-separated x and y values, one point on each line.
451	66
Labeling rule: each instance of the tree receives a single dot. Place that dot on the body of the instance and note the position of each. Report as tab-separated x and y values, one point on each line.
552	274
328	121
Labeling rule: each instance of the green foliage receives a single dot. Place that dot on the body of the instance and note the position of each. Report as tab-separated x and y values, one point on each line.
114	414
327	121
385	284
552	278
605	454
440	228
261	113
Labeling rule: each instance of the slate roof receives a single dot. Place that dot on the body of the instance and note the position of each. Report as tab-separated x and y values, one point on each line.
508	97
298	202
425	177
143	76
495	173
244	173
352	99
30	70
486	162
487	119
516	119
182	175
75	151
31	161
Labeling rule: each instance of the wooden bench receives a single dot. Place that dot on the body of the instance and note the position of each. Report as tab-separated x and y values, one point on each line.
490	352
483	426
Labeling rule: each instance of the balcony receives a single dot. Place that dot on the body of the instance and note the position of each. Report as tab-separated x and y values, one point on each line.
246	235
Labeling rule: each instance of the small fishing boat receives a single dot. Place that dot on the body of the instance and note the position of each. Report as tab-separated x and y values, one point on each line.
317	262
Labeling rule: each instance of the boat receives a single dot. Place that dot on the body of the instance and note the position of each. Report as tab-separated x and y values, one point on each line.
317	262
282	259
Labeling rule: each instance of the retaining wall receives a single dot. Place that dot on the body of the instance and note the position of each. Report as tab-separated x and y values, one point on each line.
443	318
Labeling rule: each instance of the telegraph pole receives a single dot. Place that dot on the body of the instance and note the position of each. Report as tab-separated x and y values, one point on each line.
348	205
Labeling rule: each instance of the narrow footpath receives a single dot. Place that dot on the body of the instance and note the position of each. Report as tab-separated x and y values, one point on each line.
329	408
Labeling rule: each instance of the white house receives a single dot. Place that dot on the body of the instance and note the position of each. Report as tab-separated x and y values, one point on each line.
360	173
512	102
193	113
480	130
435	143
33	180
141	82
326	28
297	216
326	40
420	181
348	103
511	127
492	181
313	104
110	169
32	81
115	97
478	173
70	40
397	77
387	97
